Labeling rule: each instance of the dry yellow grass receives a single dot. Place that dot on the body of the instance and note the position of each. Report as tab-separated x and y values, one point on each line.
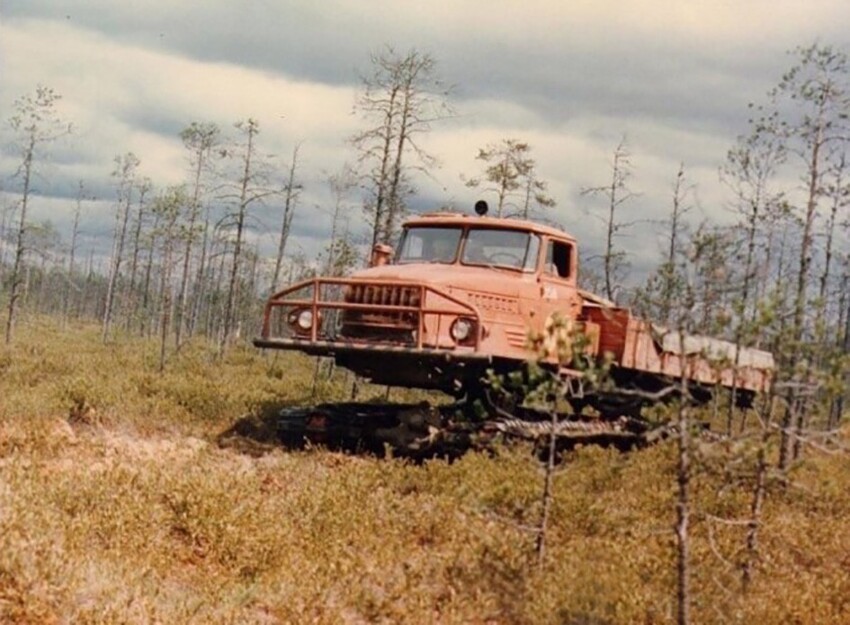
117	505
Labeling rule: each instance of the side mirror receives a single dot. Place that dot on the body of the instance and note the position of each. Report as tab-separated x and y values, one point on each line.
381	255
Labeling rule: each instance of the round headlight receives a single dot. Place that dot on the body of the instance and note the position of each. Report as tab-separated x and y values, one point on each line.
305	319
461	329
301	320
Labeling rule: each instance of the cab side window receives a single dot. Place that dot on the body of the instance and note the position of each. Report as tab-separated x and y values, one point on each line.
558	255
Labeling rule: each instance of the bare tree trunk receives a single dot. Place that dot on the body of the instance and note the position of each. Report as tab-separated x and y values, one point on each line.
838	199
790	446
394	201
245	309
609	232
166	302
216	324
71	286
131	288
756	504
41	304
117	250
526	201
546	498
668	289
184	281
187	251
146	322
34	122
88	295
380	191
169	207
617	192
5	214
837	407
240	226
683	476
200	139
826	346
125	170
339	184
744	302
199	288
17	267
288	214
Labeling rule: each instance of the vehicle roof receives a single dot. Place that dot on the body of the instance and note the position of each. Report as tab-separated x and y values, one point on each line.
506	223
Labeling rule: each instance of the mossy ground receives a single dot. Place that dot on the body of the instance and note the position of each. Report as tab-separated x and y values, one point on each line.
117	505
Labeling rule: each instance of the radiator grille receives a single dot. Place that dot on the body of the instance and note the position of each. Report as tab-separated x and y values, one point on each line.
382	295
383	323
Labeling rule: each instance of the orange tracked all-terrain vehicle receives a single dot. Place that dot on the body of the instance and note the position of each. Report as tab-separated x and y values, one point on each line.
457	303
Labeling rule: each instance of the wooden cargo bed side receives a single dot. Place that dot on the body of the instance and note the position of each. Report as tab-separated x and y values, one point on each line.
613	326
634	346
629	340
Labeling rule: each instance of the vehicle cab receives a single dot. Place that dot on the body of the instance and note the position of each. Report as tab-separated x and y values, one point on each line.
460	294
516	273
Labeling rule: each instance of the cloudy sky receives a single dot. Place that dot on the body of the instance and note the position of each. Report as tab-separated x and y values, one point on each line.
569	77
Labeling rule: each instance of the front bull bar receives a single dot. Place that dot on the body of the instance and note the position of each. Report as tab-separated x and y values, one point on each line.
432	302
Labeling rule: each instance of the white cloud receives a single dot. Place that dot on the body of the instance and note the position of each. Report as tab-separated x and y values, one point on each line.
569	78
124	98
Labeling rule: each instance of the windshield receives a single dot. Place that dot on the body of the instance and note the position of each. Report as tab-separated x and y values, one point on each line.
429	245
501	248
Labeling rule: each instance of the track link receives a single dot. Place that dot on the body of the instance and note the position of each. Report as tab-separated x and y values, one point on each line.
421	430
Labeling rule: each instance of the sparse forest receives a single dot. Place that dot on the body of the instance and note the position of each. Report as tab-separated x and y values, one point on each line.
139	482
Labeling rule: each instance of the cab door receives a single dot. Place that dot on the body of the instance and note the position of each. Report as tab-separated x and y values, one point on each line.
557	280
